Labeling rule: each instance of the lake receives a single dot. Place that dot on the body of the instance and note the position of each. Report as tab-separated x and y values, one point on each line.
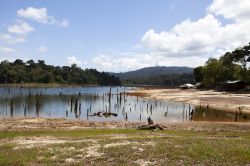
98	104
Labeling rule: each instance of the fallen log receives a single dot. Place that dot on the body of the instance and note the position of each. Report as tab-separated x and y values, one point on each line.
109	114
106	114
151	127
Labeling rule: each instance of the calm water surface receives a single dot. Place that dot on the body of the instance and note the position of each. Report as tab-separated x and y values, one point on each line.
98	104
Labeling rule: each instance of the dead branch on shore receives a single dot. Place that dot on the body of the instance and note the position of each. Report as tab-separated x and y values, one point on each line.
151	126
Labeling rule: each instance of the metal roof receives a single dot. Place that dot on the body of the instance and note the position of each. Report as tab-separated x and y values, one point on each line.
233	82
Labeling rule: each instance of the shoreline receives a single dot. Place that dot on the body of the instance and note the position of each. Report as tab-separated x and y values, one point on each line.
226	101
39	124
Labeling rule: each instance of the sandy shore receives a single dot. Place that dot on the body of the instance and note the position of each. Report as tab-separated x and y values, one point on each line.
221	100
59	123
40	124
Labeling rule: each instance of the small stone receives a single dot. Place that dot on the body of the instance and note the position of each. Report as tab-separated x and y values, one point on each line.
69	160
111	159
71	148
53	157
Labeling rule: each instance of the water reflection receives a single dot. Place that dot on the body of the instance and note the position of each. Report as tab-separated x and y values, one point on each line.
93	103
210	114
101	104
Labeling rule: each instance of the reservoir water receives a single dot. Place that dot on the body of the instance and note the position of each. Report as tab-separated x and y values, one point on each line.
101	104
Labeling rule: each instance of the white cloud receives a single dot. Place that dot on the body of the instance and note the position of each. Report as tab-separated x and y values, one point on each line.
231	9
203	37
43	50
73	60
111	62
17	33
190	42
20	28
40	15
10	39
189	38
134	61
6	50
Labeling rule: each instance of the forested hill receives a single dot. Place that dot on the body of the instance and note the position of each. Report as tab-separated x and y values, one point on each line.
32	72
158	76
153	71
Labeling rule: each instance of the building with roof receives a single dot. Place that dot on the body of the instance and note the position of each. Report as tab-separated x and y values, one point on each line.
233	85
187	86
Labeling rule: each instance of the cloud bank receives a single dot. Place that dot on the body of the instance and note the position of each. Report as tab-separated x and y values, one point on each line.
190	42
20	28
41	15
18	32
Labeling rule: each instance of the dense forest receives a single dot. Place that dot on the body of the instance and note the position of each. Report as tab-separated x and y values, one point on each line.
169	80
31	72
154	71
171	76
231	66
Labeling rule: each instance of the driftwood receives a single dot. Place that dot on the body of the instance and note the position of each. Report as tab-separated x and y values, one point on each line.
96	114
150	121
106	114
109	114
151	126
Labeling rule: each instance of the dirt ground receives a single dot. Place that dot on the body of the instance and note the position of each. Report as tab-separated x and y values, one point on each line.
221	100
39	141
8	124
34	141
34	124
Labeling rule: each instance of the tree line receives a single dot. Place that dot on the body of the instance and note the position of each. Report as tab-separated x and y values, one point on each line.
168	80
231	66
32	72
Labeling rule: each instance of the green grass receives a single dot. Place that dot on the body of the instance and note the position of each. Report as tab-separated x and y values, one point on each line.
157	147
67	133
19	157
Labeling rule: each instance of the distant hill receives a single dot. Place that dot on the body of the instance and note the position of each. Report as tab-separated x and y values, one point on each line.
148	72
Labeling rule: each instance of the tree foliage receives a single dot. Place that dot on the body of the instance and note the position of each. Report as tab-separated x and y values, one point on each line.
170	80
31	72
230	66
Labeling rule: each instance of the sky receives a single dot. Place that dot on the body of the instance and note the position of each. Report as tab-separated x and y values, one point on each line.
122	35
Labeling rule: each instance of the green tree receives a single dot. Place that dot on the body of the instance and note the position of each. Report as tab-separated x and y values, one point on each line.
210	71
18	62
18	72
198	74
31	63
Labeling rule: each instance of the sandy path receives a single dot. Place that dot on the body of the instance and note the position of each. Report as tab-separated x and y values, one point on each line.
221	100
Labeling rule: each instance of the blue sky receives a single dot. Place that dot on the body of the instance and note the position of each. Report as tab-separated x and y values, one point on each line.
118	35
